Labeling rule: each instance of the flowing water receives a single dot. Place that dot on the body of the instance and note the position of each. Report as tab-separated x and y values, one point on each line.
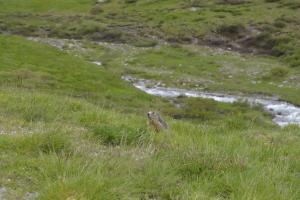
284	113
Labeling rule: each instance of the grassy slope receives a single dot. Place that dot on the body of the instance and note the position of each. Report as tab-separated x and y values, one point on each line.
171	20
35	6
38	67
63	145
59	136
194	67
122	22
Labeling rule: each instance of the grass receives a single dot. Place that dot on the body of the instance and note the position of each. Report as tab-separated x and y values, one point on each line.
26	65
194	67
65	158
216	71
62	156
60	144
56	6
70	129
271	27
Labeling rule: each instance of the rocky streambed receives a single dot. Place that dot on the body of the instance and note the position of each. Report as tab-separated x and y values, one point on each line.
284	113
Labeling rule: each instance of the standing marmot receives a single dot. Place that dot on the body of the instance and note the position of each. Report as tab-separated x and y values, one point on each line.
156	121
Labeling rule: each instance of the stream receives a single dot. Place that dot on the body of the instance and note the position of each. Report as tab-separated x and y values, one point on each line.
283	113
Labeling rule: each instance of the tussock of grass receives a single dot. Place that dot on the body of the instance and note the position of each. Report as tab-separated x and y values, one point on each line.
50	142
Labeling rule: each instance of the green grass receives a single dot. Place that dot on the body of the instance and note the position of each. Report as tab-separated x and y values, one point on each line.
60	156
187	66
171	20
34	66
194	67
58	142
36	6
70	129
204	68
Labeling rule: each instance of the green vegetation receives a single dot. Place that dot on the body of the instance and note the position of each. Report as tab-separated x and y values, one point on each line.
260	27
194	67
268	27
59	139
70	129
37	67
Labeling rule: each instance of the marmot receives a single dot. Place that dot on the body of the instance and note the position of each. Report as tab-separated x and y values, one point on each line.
156	121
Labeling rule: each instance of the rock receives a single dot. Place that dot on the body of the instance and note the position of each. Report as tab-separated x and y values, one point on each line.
97	63
31	195
3	191
193	9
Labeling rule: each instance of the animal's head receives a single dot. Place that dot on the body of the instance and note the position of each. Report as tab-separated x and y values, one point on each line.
152	115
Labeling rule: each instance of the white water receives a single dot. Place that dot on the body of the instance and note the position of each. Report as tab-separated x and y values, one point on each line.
284	113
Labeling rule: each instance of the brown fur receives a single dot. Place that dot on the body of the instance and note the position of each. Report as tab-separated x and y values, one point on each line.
156	121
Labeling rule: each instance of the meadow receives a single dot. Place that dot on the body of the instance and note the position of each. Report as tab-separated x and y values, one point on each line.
71	129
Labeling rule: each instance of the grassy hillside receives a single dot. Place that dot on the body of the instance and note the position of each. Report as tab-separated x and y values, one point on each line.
59	140
71	129
35	6
78	150
32	66
259	26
